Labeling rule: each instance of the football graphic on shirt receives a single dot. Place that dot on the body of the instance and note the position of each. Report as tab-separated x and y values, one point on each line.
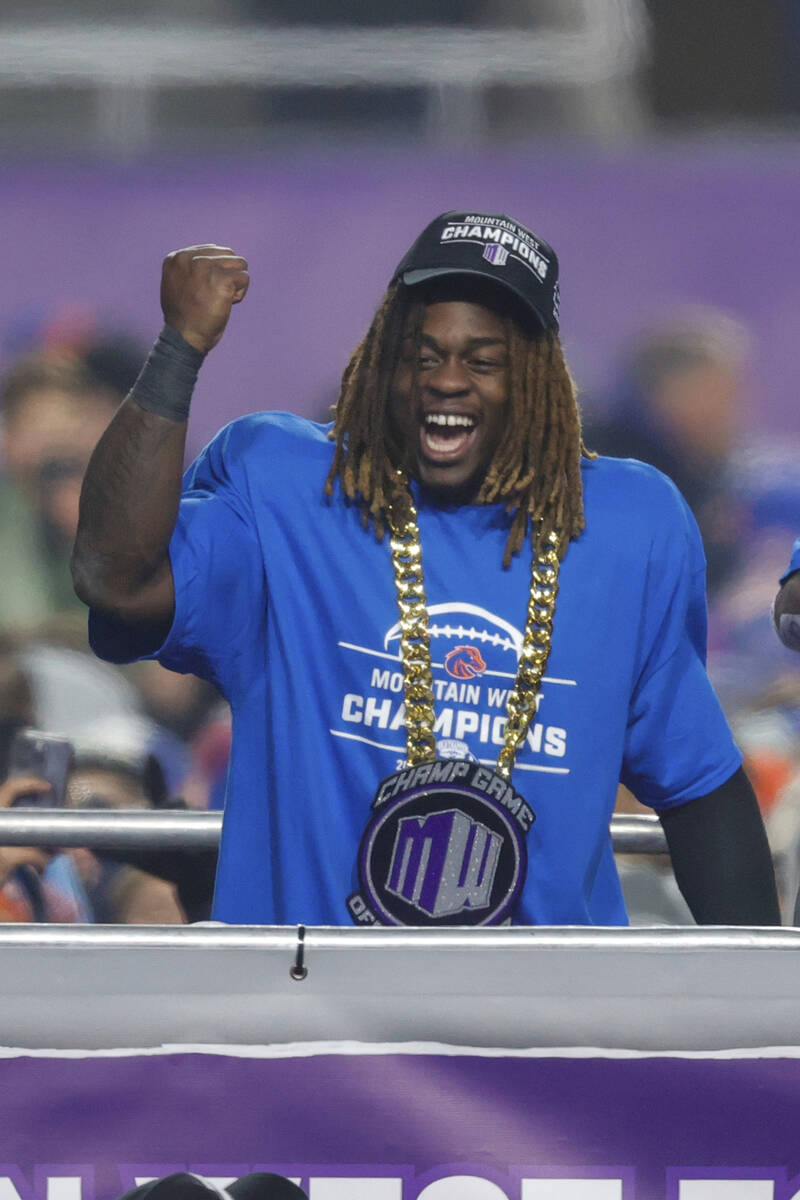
474	655
467	640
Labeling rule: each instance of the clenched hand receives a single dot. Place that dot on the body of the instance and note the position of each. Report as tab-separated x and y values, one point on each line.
199	286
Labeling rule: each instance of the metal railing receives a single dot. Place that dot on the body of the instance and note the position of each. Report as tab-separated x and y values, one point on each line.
179	830
596	44
607	42
378	940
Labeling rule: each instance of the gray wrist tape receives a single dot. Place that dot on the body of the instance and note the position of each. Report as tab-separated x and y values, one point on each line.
167	379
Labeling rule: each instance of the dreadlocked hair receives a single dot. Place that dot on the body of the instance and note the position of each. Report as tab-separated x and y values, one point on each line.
362	461
535	471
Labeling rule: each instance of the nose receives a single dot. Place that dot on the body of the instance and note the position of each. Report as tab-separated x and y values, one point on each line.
449	378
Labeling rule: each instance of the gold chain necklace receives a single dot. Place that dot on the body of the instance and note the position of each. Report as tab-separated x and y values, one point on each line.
415	652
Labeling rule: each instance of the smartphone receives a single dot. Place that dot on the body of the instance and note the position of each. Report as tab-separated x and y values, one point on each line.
47	757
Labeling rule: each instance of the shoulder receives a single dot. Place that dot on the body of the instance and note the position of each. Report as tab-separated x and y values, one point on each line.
632	504
282	441
270	431
618	483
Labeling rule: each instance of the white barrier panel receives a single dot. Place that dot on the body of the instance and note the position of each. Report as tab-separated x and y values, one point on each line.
648	989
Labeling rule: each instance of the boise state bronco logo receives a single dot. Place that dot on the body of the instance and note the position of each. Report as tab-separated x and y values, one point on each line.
446	845
464	662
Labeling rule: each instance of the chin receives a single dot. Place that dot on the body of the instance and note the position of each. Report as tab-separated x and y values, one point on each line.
451	486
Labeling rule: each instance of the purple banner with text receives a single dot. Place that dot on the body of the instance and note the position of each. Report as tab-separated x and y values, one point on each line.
405	1124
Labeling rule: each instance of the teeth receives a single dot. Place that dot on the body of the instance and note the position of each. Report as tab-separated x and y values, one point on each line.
448	419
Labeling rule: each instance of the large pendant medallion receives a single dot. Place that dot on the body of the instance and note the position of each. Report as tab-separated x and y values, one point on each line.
445	845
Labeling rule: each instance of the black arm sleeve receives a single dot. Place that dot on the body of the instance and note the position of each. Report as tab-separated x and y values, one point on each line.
721	858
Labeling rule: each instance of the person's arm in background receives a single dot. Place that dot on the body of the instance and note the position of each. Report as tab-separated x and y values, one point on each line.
129	501
786	609
721	858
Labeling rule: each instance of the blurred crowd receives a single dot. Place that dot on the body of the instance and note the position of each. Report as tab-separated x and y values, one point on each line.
143	737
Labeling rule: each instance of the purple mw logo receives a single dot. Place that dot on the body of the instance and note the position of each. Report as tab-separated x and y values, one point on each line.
445	845
444	863
495	254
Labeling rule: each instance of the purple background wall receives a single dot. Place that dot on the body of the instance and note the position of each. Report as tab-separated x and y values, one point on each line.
636	232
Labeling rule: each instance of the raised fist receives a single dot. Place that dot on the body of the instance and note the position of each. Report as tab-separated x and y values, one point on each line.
199	285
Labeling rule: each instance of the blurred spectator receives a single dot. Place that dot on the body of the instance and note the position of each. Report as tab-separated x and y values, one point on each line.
69	692
121	763
115	771
752	671
55	403
756	677
25	895
678	406
112	359
53	413
180	703
16	700
118	893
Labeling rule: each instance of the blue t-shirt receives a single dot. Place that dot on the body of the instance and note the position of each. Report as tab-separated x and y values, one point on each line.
287	604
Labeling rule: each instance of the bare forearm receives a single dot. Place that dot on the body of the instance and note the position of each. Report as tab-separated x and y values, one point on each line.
129	504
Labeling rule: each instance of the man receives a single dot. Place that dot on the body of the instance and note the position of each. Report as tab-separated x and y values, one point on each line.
363	607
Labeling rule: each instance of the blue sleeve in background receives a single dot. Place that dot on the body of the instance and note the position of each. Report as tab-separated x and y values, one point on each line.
794	562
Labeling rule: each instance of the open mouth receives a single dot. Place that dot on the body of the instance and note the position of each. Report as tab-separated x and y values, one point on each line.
445	436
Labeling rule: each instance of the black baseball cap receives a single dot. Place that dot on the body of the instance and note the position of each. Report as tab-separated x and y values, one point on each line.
492	246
